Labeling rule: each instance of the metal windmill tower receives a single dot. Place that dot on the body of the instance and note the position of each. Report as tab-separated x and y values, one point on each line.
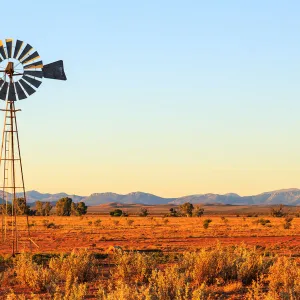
21	73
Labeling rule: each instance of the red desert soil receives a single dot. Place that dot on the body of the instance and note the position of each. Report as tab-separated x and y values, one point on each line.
166	234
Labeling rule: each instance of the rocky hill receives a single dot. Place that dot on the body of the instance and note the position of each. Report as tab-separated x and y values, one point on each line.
287	197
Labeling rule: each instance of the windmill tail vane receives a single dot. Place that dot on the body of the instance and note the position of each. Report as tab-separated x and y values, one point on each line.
21	74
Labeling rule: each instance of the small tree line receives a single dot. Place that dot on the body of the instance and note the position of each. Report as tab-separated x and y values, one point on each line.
64	207
185	210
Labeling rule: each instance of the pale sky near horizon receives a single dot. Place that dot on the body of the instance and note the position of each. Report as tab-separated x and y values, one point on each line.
166	97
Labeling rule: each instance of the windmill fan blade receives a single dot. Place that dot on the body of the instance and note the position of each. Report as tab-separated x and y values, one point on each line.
3	91
34	82
2	52
55	70
12	92
29	90
25	51
31	57
38	74
17	48
20	92
9	47
35	65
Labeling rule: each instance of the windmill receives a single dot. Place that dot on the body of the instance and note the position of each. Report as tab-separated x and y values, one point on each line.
21	74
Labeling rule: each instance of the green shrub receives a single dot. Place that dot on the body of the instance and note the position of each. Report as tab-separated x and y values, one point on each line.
206	223
117	213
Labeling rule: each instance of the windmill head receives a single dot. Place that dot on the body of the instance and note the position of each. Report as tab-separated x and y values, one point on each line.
22	70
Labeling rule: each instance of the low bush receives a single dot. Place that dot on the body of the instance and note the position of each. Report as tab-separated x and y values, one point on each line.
129	222
132	267
33	275
223	264
278	212
206	223
207	274
97	223
262	222
80	266
284	279
288	222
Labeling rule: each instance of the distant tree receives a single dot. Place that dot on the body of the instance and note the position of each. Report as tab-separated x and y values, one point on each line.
21	207
78	209
32	212
63	206
6	209
117	213
39	208
47	208
82	208
187	209
144	212
173	212
43	208
278	212
74	209
198	211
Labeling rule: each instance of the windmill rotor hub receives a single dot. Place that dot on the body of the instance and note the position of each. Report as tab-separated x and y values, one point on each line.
9	70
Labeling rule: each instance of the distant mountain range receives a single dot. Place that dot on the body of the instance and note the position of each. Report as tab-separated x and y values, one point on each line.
287	197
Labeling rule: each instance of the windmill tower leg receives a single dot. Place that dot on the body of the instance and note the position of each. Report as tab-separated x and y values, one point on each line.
11	162
3	153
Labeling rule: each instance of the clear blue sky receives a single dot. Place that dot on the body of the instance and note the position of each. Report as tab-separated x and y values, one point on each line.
167	97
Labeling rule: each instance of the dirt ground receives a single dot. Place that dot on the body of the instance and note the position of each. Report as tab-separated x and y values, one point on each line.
171	234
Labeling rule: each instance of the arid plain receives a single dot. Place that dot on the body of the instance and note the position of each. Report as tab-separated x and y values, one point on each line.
93	256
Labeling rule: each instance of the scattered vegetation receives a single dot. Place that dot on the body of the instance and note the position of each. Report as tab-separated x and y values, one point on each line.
97	223
205	274
143	212
262	221
186	210
129	222
161	271
288	222
278	212
206	223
